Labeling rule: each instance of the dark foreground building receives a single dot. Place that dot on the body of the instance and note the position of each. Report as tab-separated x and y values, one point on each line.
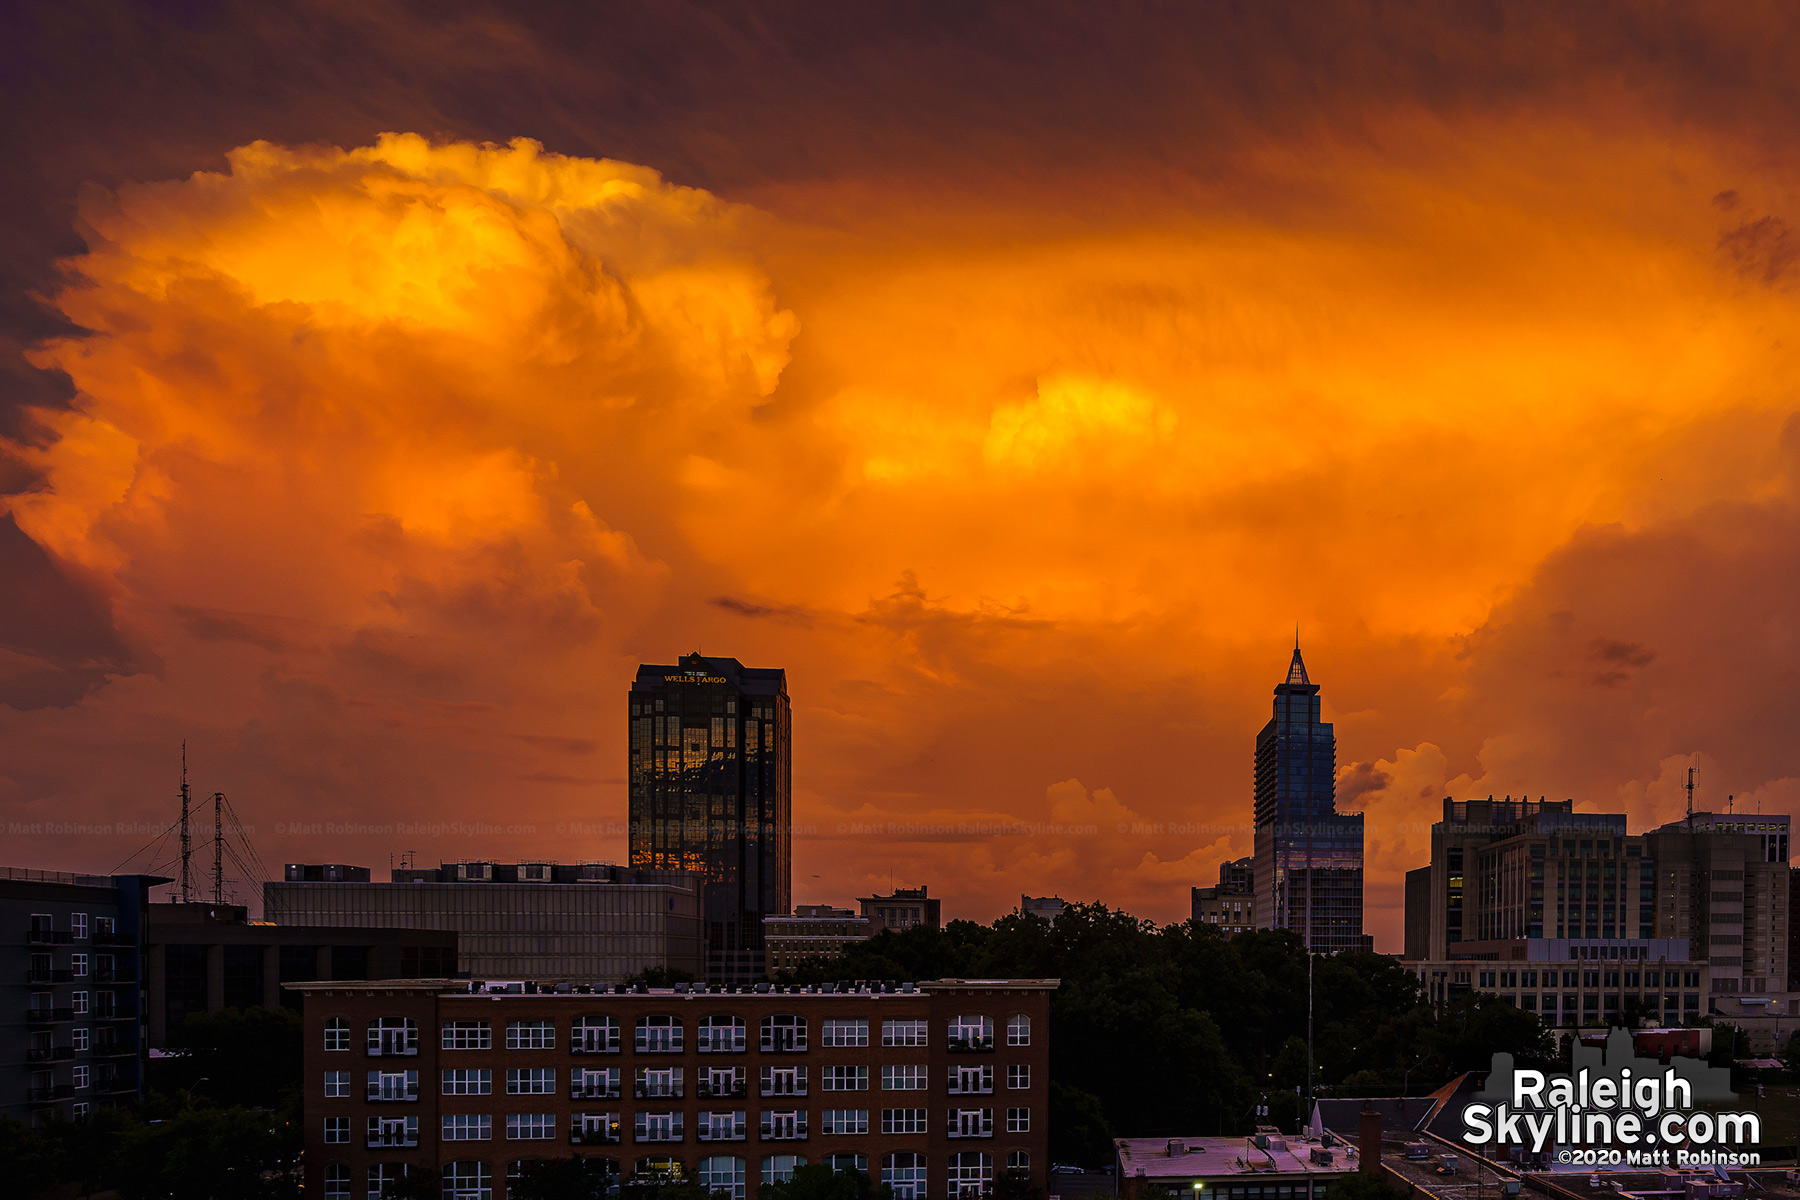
70	965
937	1089
1308	856
710	793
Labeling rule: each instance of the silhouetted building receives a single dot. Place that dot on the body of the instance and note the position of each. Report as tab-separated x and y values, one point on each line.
814	931
587	922
208	957
1047	907
1308	856
1723	881
711	793
902	910
70	1002
1417	942
1231	906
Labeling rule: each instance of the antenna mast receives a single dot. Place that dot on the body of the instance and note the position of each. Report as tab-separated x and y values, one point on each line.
1690	796
218	847
187	837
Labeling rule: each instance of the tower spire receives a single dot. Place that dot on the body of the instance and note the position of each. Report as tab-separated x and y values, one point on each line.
1297	668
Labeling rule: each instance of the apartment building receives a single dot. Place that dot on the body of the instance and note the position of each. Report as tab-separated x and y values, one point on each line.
814	931
935	1089
70	1002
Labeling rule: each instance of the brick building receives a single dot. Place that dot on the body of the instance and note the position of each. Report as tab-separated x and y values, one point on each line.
936	1088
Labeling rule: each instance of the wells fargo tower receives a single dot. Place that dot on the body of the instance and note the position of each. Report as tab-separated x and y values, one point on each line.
709	779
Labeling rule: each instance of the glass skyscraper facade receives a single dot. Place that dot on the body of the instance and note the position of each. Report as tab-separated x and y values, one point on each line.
710	793
1309	857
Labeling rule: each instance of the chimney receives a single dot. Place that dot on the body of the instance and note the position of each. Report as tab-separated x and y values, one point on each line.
1368	1141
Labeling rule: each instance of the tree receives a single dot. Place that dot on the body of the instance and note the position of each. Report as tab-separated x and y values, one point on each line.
1079	1132
567	1179
237	1057
1356	1185
820	1182
661	977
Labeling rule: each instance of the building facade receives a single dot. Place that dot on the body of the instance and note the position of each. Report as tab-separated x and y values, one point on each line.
902	910
1576	982
711	794
209	957
1230	907
71	1004
815	931
935	1089
588	922
1265	1166
1046	908
1308	856
1723	882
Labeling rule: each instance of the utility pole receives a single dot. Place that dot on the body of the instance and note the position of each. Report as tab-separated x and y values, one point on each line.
187	837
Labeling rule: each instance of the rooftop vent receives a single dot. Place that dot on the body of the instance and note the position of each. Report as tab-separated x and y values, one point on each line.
1176	1148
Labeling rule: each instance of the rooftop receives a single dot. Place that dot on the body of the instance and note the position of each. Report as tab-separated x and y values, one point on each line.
1212	1157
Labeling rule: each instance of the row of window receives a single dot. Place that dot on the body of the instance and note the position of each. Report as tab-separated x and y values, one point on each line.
104	1006
665	1034
45	923
104	966
905	1174
1588	979
597	1128
658	1082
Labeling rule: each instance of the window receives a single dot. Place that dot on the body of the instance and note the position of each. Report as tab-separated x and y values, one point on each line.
478	1081
1018	1030
781	1034
721	1081
337	1085
779	1168
658	1082
78	966
721	1126
105	1004
658	1127
1018	1165
840	1163
467	1127
970	1122
530	1035
971	1174
845	1121
783	1126
910	1078
78	1039
659	1035
530	1127
904	1033
384	1178
905	1174
594	1129
845	1033
466	1035
1018	1077
903	1120
105	926
724	1175
844	1079
971	1032
468	1181
78	1003
393	1085
393	1035
530	1081
81	1078
337	1182
78	926
972	1081
784	1081
1018	1120
594	1083
594	1035
393	1131
721	1035
337	1034
337	1131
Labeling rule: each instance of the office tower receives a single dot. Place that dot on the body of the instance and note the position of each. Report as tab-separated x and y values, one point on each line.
904	909
1308	856
711	793
1722	881
583	922
1231	906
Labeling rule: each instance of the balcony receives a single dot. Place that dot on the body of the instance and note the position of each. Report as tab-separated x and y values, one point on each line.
123	1012
114	938
593	1091
594	1137
972	1045
50	1095
39	975
47	1016
652	1091
729	1091
50	1053
114	1050
393	1141
737	1134
393	1095
48	937
117	1084
115	975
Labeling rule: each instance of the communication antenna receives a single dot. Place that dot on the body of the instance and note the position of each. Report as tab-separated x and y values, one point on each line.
1692	769
187	837
218	847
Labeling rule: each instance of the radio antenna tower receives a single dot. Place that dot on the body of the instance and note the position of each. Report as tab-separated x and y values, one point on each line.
218	847
187	837
1690	791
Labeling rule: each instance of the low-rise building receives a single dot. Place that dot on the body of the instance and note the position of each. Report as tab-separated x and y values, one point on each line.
1571	982
1046	907
934	1089
587	922
71	962
902	910
1230	907
815	931
1265	1166
204	957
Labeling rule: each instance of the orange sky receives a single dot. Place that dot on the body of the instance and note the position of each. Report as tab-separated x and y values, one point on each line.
390	447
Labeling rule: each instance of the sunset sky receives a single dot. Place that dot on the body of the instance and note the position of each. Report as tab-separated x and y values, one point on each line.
380	388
